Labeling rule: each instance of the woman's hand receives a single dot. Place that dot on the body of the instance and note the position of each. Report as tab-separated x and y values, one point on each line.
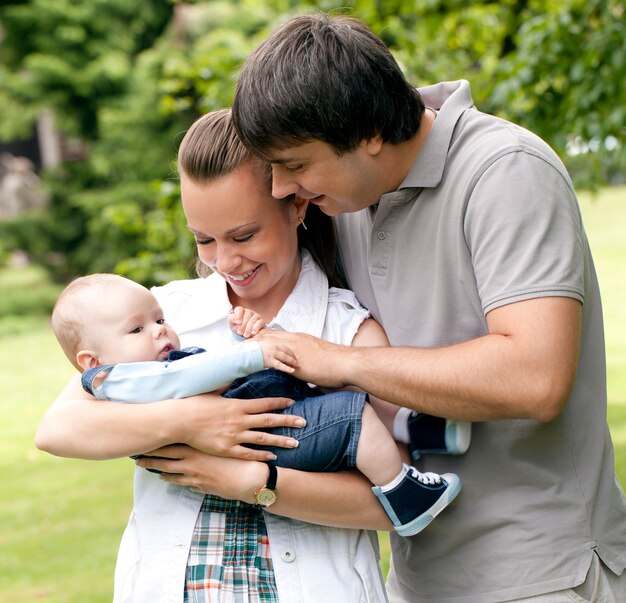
219	426
226	477
322	498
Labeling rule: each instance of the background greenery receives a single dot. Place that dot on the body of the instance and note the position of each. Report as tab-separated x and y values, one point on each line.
62	519
126	78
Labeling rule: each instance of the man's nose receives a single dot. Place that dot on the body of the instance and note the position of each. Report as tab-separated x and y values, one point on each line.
282	184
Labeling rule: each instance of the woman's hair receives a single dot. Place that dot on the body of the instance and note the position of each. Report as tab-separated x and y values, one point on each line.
324	78
211	149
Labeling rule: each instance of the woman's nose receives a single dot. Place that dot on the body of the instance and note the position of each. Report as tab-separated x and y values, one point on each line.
227	260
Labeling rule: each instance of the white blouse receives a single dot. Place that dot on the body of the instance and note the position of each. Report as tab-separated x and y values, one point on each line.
311	563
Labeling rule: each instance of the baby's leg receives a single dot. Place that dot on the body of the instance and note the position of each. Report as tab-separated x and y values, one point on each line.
423	433
410	498
377	454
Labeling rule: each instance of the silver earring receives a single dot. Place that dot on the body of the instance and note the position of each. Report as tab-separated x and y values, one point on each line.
303	224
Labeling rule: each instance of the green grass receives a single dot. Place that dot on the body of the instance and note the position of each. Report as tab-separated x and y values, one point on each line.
61	520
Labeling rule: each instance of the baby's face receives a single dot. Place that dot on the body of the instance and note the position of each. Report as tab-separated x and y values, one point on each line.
129	327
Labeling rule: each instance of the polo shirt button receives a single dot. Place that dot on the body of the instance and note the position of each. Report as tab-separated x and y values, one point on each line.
288	555
381	235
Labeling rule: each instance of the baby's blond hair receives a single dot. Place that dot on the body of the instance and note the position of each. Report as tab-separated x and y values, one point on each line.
72	311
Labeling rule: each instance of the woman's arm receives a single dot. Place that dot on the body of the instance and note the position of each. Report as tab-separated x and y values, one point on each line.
321	498
77	425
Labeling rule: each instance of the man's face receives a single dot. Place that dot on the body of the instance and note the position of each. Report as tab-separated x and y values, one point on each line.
337	183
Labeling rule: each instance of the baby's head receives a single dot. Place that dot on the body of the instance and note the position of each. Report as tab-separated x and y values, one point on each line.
106	319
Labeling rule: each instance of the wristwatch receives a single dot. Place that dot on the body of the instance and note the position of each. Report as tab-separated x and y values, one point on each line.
266	496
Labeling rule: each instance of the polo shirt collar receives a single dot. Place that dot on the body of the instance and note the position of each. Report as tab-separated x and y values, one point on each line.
450	100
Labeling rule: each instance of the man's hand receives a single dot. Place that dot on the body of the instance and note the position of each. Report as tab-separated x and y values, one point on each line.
318	361
219	426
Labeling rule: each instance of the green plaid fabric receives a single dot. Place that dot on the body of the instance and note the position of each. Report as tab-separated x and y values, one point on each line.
229	560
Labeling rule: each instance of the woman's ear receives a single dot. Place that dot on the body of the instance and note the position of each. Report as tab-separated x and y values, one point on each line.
87	359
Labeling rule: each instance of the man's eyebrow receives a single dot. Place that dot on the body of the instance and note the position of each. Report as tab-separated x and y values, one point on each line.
281	160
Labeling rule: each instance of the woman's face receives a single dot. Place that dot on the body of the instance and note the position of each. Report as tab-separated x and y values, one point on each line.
245	235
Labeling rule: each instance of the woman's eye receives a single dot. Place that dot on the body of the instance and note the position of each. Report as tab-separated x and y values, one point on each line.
294	168
203	241
243	239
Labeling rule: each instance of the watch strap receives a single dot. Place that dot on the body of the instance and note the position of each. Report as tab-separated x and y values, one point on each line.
272	478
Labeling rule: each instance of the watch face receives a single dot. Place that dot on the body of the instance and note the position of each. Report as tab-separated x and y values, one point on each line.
265	497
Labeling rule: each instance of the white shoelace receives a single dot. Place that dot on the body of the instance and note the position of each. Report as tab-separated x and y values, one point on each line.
427	478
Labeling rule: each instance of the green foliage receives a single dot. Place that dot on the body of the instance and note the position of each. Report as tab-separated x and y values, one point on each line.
73	56
128	78
565	80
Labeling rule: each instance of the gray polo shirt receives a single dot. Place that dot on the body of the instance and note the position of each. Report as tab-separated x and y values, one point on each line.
487	216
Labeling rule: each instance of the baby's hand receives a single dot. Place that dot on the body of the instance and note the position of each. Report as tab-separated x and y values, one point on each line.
278	356
244	322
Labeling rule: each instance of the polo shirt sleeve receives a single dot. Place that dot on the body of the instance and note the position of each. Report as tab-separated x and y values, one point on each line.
141	382
524	232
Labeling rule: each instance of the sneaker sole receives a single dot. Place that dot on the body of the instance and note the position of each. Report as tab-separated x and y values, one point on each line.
458	436
419	523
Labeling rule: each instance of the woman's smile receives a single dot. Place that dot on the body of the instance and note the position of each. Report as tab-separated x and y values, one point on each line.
243	279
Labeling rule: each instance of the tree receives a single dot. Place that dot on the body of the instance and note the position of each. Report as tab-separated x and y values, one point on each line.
128	79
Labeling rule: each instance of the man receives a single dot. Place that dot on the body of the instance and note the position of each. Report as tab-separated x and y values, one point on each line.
462	235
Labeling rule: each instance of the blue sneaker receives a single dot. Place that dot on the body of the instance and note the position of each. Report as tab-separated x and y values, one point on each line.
417	499
437	435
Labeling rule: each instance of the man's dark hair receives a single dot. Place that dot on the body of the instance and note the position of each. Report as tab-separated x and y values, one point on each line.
325	78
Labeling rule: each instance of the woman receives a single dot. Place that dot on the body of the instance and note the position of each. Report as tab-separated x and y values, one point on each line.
181	545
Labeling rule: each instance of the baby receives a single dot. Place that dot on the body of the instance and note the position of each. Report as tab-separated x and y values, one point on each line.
114	332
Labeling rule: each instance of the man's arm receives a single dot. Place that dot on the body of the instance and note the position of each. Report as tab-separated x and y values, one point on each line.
523	368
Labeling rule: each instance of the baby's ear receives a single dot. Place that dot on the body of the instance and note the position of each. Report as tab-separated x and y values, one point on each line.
87	359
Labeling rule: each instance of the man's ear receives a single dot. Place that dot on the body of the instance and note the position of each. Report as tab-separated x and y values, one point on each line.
373	146
87	359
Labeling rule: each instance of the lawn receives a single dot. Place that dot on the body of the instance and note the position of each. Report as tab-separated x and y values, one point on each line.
62	519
